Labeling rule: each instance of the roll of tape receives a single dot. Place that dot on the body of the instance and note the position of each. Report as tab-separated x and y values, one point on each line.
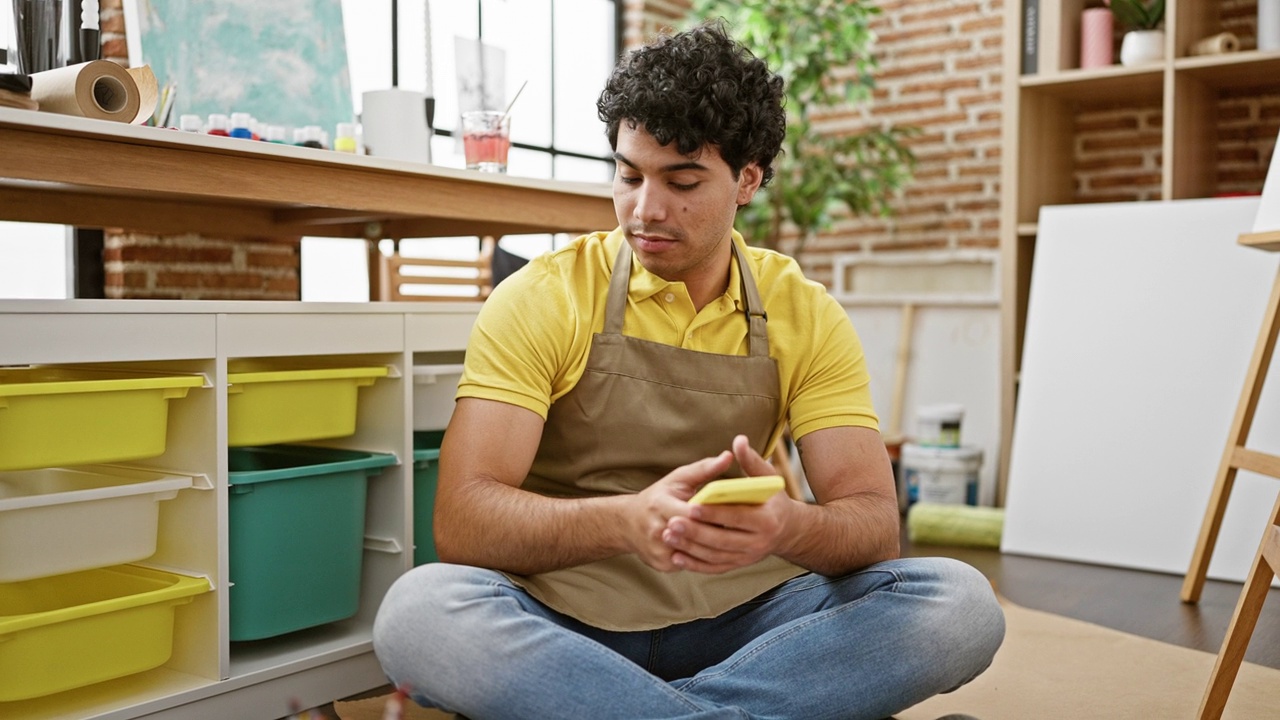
99	89
1216	45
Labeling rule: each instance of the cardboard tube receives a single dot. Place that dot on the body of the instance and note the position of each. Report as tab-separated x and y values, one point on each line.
100	89
1216	45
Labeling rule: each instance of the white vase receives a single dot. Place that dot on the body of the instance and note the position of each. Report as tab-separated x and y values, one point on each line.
1142	46
1269	24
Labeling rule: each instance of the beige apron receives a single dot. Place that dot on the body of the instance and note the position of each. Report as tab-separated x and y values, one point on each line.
641	410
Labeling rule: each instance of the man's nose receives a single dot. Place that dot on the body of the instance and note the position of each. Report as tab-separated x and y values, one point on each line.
651	206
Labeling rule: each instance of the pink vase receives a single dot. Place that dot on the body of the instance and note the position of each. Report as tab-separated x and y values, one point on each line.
1097	27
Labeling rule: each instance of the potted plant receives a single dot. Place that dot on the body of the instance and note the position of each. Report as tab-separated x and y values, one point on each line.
1144	42
817	174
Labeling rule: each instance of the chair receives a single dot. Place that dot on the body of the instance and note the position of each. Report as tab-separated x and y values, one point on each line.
490	267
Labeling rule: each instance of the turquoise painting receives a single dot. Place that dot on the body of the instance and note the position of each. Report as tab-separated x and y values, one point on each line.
283	61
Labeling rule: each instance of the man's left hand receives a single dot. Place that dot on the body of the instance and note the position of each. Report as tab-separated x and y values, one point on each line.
718	538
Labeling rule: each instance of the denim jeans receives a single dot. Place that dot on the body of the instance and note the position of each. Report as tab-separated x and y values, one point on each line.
865	645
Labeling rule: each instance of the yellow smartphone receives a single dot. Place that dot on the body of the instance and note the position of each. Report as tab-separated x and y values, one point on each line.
739	491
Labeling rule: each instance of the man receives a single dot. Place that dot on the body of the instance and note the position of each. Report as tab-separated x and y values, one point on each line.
604	384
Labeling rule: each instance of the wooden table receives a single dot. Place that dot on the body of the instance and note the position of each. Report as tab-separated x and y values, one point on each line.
92	173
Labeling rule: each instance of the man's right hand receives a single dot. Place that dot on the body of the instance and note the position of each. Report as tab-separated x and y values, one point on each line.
652	507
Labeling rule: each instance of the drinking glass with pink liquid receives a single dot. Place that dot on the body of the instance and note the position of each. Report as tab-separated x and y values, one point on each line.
486	139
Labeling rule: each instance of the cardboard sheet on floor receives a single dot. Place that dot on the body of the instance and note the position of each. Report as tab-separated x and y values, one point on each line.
1141	323
1056	668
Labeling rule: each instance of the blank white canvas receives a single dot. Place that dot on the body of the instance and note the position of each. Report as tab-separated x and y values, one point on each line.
1141	324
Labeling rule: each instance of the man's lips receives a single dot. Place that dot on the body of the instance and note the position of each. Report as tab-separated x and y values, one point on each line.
653	242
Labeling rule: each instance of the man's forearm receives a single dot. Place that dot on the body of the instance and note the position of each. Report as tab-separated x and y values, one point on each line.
494	525
843	535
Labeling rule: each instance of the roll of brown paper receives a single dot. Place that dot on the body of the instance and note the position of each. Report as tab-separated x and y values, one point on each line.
1216	45
99	89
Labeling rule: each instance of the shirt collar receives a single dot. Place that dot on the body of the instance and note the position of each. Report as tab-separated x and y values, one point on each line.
645	284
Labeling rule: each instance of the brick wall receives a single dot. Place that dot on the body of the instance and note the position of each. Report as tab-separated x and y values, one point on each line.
940	70
190	267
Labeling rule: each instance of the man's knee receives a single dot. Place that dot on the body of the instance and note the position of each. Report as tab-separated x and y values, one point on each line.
412	614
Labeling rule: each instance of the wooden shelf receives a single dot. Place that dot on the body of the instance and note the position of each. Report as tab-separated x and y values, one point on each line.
1103	85
1233	70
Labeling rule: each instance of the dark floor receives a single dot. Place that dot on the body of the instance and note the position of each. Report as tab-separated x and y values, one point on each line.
1133	601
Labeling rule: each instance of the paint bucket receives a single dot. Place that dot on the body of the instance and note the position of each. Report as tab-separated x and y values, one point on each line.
939	425
946	476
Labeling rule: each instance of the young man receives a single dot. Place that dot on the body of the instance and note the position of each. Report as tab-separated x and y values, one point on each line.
604	384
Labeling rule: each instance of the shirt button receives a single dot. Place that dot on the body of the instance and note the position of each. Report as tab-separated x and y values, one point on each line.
669	297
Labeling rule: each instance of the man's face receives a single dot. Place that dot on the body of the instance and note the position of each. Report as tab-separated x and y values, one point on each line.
677	210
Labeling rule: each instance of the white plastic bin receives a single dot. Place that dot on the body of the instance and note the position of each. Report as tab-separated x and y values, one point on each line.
946	476
434	388
55	520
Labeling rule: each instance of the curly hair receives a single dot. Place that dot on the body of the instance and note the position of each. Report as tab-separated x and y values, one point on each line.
699	88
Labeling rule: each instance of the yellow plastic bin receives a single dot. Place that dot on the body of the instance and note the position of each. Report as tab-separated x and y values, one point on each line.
60	520
268	404
52	416
69	631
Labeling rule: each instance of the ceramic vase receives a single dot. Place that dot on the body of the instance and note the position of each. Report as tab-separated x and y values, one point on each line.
1269	24
1096	30
1142	46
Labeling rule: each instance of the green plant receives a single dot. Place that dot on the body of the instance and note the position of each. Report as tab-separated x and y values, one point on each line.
822	50
1138	14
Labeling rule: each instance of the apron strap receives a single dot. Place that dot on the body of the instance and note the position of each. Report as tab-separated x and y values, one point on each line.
758	339
616	302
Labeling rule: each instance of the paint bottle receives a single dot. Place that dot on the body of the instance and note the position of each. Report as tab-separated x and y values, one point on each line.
313	137
218	124
190	123
345	138
276	134
240	123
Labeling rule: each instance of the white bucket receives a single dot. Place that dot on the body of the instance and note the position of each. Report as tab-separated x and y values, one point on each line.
939	425
947	476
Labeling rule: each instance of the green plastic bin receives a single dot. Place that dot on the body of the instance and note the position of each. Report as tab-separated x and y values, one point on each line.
426	472
296	526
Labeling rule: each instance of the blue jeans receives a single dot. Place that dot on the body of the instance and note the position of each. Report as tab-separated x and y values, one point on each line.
865	645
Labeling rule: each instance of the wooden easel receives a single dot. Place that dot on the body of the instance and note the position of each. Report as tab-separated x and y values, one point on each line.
1235	457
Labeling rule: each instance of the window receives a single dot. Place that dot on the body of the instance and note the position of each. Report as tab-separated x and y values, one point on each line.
563	49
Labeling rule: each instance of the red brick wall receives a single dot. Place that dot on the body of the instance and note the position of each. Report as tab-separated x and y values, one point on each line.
940	70
190	267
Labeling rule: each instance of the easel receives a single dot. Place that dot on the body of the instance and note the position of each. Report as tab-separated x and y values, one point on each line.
1235	457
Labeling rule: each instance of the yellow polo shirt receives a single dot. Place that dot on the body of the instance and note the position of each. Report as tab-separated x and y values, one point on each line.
530	342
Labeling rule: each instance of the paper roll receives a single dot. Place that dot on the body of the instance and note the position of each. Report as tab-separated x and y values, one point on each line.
99	89
1216	45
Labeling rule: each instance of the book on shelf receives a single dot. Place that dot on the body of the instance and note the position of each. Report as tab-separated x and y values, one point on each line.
1030	36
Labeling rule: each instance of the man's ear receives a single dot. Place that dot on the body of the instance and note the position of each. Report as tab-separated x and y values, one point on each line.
748	183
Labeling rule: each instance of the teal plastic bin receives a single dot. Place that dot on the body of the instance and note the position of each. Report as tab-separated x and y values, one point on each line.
426	472
296	525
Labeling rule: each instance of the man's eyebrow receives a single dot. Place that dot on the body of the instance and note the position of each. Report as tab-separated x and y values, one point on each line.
666	169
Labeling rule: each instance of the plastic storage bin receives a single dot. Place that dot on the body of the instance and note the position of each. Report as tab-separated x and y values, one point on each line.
68	631
55	520
426	472
52	416
296	526
434	388
267	404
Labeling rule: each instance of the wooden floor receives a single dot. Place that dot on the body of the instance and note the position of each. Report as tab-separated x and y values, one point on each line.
1133	601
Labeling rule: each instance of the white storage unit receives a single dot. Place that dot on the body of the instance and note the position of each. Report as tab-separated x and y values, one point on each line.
207	676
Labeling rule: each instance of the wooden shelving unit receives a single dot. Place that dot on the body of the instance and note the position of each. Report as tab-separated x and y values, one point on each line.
1039	140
